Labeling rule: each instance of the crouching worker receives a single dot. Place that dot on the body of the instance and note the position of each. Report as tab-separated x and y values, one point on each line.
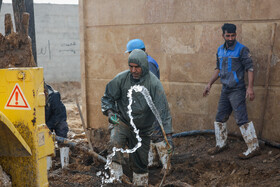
114	104
55	112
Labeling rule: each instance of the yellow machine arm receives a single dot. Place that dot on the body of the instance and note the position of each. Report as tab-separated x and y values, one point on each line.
12	143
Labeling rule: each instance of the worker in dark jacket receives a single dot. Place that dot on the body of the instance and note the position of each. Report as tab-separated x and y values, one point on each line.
55	112
115	103
158	151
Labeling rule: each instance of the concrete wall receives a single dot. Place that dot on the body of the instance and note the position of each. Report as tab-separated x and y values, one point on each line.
57	40
183	36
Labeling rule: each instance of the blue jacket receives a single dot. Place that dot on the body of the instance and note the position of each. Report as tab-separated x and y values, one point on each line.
232	63
153	66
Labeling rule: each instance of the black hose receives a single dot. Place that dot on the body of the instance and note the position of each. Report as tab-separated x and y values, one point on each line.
193	132
210	131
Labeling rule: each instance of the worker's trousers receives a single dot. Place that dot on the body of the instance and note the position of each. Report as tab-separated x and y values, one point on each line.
123	137
232	99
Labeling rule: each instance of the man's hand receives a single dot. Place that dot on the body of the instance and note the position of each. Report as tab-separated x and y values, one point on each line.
250	93
113	118
207	90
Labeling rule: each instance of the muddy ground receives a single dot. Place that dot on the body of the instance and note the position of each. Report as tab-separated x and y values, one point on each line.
191	165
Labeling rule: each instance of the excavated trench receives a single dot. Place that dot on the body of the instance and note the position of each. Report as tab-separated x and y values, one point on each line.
191	165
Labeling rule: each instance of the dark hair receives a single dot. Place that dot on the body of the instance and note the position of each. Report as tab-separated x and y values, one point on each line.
230	28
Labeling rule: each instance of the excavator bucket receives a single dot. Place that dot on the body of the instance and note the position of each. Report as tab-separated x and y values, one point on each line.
12	143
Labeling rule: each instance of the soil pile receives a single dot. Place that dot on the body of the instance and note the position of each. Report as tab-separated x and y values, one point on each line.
16	47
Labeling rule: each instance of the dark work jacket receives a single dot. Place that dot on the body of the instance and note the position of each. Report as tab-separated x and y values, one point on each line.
55	111
115	97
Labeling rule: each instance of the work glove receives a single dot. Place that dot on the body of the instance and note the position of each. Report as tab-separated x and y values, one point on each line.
170	141
113	118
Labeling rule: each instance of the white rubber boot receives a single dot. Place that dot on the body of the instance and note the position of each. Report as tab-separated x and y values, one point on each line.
64	156
116	172
153	158
249	135
140	179
163	156
221	135
5	180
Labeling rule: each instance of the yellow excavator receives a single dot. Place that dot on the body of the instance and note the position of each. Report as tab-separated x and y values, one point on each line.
25	140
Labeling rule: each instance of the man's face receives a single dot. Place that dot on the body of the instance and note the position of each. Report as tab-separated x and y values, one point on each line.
229	38
135	70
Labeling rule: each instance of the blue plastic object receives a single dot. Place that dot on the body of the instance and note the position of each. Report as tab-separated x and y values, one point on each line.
134	44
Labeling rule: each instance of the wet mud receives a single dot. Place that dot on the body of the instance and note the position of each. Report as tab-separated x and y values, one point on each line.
191	165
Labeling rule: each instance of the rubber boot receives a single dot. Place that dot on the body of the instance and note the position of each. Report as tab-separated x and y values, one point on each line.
5	180
140	179
221	138
153	158
116	172
249	135
164	156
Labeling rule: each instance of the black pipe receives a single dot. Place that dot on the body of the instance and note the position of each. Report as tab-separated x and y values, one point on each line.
193	132
210	131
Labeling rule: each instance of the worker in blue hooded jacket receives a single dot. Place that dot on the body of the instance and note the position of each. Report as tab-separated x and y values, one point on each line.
115	102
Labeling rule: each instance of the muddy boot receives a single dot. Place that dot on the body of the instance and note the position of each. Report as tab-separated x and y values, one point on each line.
116	172
250	138
221	138
140	179
153	157
164	157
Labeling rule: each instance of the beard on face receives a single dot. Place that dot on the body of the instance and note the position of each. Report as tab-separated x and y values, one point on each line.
230	42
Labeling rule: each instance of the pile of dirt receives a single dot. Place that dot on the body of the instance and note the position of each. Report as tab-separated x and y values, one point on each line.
68	91
16	47
191	165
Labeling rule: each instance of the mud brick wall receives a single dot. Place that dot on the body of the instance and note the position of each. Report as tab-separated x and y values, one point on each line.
183	36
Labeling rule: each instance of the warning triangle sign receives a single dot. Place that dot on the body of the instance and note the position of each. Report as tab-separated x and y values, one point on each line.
17	100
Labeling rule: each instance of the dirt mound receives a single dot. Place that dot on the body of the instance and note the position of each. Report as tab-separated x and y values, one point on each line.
191	165
16	47
68	91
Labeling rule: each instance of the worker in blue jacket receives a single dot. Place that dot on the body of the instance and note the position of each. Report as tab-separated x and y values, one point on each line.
55	112
233	61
